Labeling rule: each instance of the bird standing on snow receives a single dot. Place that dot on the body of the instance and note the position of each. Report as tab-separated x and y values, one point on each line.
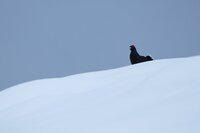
136	58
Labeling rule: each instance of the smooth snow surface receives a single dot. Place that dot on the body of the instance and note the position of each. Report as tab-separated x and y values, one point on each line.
161	96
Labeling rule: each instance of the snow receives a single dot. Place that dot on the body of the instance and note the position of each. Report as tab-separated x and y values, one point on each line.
161	96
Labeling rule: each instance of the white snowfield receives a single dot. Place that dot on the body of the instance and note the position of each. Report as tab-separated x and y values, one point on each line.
161	96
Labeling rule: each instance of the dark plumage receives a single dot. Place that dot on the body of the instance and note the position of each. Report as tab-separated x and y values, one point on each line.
136	58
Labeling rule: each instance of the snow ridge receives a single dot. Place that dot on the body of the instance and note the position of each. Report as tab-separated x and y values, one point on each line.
160	96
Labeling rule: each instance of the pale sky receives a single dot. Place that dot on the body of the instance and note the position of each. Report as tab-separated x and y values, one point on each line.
55	38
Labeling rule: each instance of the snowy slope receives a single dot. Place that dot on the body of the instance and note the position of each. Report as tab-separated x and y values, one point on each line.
161	96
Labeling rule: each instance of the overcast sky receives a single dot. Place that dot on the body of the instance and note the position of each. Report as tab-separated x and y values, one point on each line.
56	38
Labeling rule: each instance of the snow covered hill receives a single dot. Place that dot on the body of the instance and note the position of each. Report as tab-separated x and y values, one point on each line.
161	96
